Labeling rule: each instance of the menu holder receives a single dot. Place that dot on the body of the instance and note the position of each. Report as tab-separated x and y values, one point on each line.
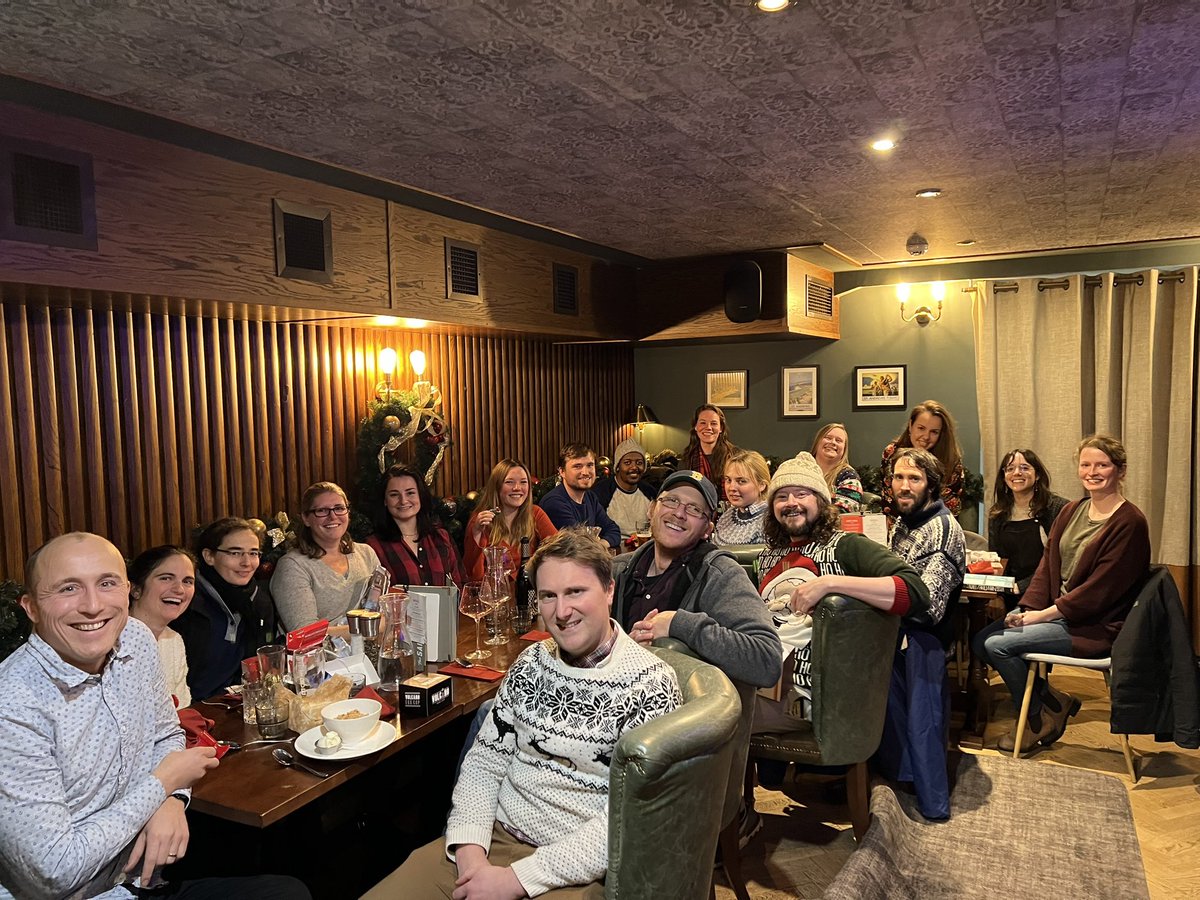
434	610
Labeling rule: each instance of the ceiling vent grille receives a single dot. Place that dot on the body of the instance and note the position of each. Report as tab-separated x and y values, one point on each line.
303	242
566	290
818	298
47	195
463	279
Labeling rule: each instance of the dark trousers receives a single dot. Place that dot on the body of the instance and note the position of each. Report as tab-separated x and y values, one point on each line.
255	887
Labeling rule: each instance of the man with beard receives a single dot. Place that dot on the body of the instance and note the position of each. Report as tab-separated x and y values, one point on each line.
929	538
680	585
807	558
572	502
625	497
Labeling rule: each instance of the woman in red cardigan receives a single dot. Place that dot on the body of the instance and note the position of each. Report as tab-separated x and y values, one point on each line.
1096	559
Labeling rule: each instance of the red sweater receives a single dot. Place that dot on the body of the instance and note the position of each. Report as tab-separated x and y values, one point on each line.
1107	577
473	552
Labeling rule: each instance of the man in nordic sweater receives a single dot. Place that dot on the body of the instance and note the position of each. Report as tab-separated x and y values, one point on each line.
929	538
806	558
530	810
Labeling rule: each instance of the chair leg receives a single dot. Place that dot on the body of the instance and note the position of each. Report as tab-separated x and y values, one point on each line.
857	797
731	860
1130	761
1023	717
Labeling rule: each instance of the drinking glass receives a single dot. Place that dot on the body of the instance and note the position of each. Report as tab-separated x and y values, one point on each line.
495	593
471	603
272	714
271	663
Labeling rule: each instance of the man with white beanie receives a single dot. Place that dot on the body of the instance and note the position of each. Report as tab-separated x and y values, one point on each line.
624	496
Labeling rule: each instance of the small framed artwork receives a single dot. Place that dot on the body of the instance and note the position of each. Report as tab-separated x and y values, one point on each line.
880	387
799	392
726	389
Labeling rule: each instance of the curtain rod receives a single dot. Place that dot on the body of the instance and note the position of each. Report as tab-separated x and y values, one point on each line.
1048	284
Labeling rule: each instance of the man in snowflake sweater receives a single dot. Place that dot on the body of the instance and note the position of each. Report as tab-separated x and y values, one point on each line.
929	538
530	810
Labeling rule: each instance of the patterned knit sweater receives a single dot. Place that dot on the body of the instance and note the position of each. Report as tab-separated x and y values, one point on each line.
931	541
540	763
740	526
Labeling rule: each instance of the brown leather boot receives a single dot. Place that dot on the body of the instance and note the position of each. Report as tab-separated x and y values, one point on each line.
1057	721
1030	738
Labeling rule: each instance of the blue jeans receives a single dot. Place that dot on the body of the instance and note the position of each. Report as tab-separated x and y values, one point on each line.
1002	648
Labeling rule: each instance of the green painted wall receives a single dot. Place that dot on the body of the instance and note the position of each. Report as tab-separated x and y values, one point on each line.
940	360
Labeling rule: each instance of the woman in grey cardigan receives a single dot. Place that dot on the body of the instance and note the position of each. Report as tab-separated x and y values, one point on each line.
325	573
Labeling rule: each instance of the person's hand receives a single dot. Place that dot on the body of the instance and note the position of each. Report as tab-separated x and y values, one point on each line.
806	597
162	840
655	625
483	521
488	882
468	858
182	768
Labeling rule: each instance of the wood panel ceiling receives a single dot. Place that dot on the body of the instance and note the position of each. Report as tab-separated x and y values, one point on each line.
687	127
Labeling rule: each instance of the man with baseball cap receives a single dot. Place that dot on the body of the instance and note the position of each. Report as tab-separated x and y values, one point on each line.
679	585
624	496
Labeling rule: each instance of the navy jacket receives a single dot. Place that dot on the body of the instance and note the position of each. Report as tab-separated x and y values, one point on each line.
565	512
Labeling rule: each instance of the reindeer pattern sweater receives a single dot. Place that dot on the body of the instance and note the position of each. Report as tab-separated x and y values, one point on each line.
540	763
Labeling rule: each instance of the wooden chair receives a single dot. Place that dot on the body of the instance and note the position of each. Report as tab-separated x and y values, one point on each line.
1037	668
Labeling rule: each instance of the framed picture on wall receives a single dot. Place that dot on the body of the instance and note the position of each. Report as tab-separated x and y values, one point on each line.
799	392
880	387
726	389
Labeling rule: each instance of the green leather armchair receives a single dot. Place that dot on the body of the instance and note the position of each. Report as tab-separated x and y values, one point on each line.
853	645
667	789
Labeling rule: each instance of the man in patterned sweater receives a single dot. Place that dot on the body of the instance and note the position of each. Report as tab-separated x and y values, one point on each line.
913	747
806	558
530	810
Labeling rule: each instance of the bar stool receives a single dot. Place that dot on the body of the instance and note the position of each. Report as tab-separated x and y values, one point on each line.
1037	667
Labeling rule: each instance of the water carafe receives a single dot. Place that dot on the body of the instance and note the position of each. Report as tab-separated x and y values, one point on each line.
395	650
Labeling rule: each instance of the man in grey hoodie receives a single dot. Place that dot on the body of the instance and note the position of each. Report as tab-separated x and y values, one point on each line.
679	585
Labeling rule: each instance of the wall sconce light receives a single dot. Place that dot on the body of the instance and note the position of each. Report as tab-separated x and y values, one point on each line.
923	314
417	358
387	365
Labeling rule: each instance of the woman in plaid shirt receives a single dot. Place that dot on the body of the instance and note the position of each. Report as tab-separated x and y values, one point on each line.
408	540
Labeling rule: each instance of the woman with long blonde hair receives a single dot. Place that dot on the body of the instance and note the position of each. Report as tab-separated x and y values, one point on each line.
831	450
504	515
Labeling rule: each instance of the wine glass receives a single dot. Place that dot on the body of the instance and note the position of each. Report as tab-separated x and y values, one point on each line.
472	603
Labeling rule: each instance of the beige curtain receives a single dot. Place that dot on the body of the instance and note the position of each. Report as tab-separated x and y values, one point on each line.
1054	364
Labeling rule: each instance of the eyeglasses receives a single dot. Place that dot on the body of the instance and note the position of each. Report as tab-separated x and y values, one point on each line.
255	555
324	512
1022	468
689	509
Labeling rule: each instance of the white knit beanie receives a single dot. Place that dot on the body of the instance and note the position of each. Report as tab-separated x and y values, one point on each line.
800	471
629	445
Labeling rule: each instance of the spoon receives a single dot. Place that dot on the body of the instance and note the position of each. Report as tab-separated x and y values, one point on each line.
467	664
234	745
286	759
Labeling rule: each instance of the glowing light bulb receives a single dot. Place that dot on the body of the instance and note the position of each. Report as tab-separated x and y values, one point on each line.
417	358
387	361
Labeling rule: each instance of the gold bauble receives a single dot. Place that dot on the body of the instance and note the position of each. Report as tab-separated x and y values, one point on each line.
259	526
391	423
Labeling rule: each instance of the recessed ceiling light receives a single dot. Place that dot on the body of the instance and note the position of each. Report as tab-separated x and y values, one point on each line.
386	321
929	193
772	5
883	145
969	242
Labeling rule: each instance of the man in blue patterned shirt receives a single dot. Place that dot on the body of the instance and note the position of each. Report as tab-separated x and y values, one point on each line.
94	777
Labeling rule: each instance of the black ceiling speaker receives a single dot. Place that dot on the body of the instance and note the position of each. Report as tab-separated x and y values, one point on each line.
743	291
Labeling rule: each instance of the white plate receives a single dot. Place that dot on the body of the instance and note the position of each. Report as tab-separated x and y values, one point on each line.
383	735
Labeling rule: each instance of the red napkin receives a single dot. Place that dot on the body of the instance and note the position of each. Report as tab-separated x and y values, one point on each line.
535	635
477	672
983	567
371	694
195	731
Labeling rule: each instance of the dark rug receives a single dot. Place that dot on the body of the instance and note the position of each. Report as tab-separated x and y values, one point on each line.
1016	829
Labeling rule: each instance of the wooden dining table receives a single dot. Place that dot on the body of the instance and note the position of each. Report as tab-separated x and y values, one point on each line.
252	814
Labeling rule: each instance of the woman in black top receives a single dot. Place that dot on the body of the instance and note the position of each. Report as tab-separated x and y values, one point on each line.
1020	519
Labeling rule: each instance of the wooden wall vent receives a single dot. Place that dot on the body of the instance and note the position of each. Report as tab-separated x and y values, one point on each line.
303	241
566	290
818	298
47	195
464	281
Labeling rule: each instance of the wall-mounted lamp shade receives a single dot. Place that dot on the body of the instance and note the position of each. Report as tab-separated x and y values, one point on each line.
387	361
417	358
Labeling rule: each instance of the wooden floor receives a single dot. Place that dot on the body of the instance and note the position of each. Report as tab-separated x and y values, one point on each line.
806	836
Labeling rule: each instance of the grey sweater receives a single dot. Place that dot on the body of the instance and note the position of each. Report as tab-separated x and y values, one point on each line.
306	590
720	616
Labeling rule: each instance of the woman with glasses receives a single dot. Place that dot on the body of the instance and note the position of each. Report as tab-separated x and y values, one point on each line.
231	614
408	539
325	573
162	581
1020	519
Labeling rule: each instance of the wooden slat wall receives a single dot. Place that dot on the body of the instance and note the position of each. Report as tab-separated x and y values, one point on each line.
138	425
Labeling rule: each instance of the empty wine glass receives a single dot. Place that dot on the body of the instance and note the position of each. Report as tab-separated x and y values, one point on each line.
472	603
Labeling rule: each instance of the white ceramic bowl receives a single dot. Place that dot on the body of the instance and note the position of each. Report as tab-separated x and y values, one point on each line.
356	730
